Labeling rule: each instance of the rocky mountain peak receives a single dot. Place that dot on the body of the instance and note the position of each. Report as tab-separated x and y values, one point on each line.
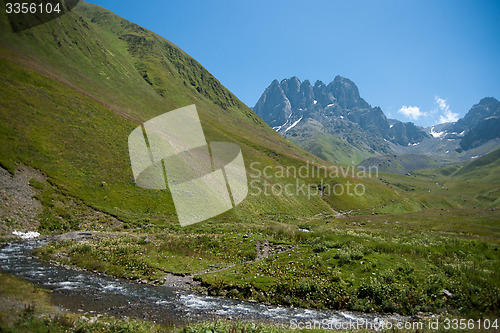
318	83
488	101
290	106
346	92
275	103
290	85
488	107
306	114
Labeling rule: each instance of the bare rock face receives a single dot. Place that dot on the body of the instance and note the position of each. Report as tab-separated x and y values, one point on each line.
333	122
481	124
292	106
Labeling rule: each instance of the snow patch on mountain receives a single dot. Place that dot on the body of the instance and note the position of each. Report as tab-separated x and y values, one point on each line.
437	134
293	125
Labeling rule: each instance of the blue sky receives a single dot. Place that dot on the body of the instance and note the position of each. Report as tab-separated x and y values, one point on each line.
421	61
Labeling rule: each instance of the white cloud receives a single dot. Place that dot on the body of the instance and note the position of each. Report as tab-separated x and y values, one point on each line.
448	116
442	103
412	112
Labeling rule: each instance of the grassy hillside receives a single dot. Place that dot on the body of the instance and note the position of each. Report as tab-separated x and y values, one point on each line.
74	88
469	185
481	168
402	163
331	148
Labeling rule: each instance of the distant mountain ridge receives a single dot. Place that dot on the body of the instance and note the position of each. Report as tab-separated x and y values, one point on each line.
284	104
335	123
480	124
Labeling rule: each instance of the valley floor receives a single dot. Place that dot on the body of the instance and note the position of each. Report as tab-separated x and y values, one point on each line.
435	261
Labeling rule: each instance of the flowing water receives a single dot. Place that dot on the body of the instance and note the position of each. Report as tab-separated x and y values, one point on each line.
82	291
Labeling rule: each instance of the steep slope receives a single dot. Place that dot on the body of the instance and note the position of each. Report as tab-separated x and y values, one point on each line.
74	88
481	124
487	108
485	131
485	168
481	178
